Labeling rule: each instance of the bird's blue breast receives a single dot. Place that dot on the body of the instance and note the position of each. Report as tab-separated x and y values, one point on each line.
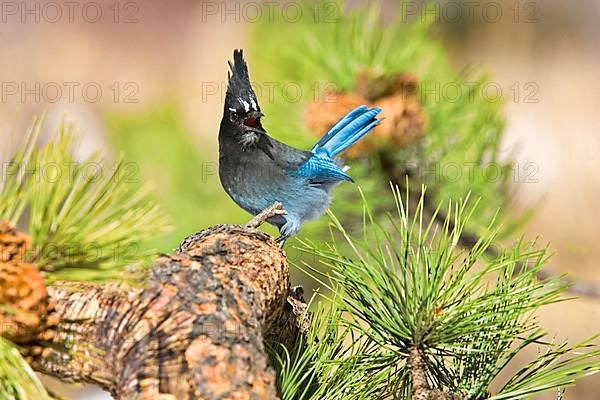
256	182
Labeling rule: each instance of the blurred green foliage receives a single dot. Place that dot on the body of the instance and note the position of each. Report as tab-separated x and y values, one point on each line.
85	223
186	178
17	379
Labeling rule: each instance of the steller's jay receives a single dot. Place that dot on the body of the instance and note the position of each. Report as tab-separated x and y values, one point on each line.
257	170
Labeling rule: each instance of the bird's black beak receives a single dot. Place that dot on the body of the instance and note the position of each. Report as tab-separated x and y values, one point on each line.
252	121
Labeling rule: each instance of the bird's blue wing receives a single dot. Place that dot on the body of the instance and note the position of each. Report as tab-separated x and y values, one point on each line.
318	169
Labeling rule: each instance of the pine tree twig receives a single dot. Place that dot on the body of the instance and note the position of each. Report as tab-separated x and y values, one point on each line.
420	387
196	330
274	210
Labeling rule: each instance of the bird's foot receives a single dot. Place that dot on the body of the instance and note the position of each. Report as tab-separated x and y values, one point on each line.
290	228
274	210
281	240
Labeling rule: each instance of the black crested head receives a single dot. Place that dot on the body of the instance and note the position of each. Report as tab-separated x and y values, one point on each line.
240	95
241	116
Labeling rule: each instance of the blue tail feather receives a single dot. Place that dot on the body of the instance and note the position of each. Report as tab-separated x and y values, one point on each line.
347	131
340	124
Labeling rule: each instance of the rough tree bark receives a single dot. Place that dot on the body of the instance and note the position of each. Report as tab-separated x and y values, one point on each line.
195	331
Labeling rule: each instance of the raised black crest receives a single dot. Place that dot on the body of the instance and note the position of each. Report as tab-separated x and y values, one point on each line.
239	90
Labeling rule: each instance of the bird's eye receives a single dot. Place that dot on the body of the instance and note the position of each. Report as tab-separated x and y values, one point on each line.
233	116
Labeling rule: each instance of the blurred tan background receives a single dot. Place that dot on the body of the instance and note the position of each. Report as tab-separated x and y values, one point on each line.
141	53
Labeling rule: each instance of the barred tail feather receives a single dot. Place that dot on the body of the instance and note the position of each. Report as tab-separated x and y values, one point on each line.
347	131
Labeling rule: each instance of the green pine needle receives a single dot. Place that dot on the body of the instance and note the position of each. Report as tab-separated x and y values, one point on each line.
327	364
86	219
17	379
407	283
15	184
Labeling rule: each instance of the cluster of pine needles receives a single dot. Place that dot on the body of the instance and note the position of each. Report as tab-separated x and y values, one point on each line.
86	221
406	284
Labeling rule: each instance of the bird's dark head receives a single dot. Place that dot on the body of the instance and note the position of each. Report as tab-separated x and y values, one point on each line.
241	115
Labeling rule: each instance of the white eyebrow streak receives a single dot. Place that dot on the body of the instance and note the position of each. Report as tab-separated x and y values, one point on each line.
232	109
245	103
254	106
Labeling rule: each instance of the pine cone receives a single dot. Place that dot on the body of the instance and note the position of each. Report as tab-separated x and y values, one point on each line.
373	87
405	84
404	118
13	244
23	294
321	116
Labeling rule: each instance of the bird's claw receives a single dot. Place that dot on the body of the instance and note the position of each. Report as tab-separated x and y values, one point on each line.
290	228
281	240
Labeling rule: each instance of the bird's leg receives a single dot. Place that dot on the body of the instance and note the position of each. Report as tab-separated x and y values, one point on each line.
290	228
281	240
274	210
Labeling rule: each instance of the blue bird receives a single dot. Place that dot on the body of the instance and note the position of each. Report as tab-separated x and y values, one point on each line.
257	170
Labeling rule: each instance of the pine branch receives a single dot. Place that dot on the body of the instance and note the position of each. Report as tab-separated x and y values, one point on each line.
196	330
78	225
82	226
326	362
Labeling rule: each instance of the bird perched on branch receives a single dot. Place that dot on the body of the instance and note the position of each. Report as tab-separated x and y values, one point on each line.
257	170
